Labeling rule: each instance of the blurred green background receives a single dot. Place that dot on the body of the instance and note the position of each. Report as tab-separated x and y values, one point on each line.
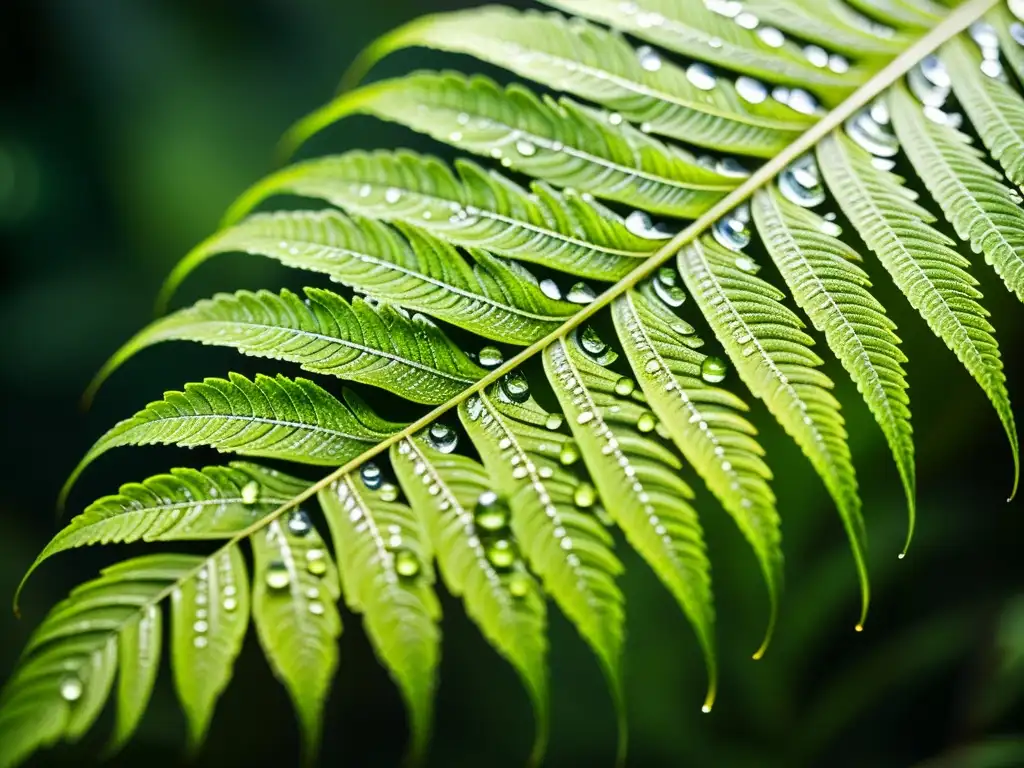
126	128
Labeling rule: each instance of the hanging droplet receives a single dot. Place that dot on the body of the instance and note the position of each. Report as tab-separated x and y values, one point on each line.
299	523
277	576
519	584
71	688
554	421
771	37
569	453
816	55
713	370
371	476
732	231
501	553
701	76
751	90
800	183
388	492
526	148
584	495
316	562
640	224
515	387
550	289
929	81
646	422
871	134
491	357
581	293
624	387
407	565
250	492
491	513
442	438
648	58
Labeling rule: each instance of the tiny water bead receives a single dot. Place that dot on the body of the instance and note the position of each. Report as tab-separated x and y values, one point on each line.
640	224
442	438
984	34
316	608
624	387
526	148
491	513
392	195
646	422
747	264
714	370
584	495
751	90
554	421
316	562
277	576
388	492
569	453
515	387
299	523
70	687
732	231
519	584
501	553
701	76
491	357
800	182
250	492
868	129
648	58
581	293
371	475
230	604
407	565
550	289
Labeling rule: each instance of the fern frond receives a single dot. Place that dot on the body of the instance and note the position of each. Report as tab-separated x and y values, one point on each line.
530	461
358	341
479	208
905	14
706	424
294	608
826	282
385	559
562	142
269	417
465	519
923	264
772	355
600	66
494	298
138	660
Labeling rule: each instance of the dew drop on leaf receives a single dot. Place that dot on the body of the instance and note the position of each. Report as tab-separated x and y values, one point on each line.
800	183
392	195
550	289
701	76
871	134
730	166
442	438
584	495
640	224
648	58
491	513
388	492
713	370
816	55
646	422
316	608
526	148
771	37
672	295
491	357
71	687
581	293
751	90
277	576
250	492
624	387
515	387
316	563
554	421
299	523
230	604
501	553
929	81
733	230
569	453
519	584
371	476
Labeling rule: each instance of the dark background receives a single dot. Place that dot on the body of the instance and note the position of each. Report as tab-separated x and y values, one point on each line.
127	127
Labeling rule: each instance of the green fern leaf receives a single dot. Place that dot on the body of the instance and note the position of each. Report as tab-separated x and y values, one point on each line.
386	573
599	65
451	494
637	481
697	31
209	617
270	417
773	357
564	143
905	14
706	424
1002	21
138	661
826	282
922	262
528	459
479	209
67	670
494	298
979	206
361	341
294	607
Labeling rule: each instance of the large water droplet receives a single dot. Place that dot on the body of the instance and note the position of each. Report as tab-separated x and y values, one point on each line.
250	492
624	387
816	55
407	565
581	293
554	421
713	370
701	76
872	135
569	453
672	295
747	20
595	347
640	224
388	492
491	357
800	182
648	58
501	553
646	422
550	289
442	438
71	688
802	101
929	81
984	34
277	576
1017	32
733	230
316	562
992	68
371	475
751	90
519	584
526	148
491	513
299	523
584	495
730	166
838	64
515	387
771	36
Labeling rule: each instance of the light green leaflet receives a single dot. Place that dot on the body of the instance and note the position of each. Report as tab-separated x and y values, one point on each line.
923	263
1003	20
270	417
358	341
772	354
971	193
468	526
385	559
532	466
563	143
477	209
294	607
209	617
491	297
826	282
705	422
919	14
638	482
66	673
697	31
600	66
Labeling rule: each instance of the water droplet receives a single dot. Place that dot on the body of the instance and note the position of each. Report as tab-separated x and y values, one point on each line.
230	604
519	584
371	476
316	562
474	408
800	183
581	293
442	438
751	90
802	101
646	422
200	626
1017	32
730	166
640	224
614	118
838	64
747	264
871	134
250	492
525	148
554	421
407	565
771	37
713	370
816	55
584	495
732	231
701	76
491	513
200	641
992	68
515	387
929	81
71	688
984	34
392	195
316	608
491	357
747	20
569	453
648	58
624	387
501	553
299	523
277	576
550	289
388	492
